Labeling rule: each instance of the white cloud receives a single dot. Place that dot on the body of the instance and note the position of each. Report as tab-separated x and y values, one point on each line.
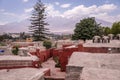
2	10
51	10
106	8
65	5
3	22
24	16
28	10
8	17
65	21
81	11
25	0
10	14
106	17
57	3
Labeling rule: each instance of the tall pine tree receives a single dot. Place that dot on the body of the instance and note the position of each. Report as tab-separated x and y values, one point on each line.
38	22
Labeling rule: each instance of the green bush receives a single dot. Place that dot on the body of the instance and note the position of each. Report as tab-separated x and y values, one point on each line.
2	44
15	50
56	59
47	44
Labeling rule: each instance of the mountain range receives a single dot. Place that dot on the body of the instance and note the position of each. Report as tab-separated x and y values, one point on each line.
56	25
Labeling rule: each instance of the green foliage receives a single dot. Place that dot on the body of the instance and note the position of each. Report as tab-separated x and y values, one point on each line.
47	44
86	29
55	45
106	30
2	44
7	36
22	35
15	50
116	28
56	59
1	38
38	22
4	36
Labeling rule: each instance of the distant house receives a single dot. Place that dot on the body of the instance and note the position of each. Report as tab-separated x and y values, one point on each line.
15	35
29	39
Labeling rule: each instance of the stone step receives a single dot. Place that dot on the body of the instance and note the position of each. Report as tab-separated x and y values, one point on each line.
53	78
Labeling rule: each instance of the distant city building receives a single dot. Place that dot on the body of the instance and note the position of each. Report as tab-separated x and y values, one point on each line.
29	39
14	35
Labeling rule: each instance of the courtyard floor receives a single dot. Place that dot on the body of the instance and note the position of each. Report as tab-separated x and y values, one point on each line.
55	72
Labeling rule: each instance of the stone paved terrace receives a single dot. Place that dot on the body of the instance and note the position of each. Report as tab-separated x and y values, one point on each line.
56	73
7	50
99	74
23	74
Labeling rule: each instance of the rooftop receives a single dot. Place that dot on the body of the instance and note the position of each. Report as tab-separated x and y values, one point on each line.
22	74
55	72
98	60
99	74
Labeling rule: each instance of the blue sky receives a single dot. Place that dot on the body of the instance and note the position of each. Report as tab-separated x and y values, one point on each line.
68	12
